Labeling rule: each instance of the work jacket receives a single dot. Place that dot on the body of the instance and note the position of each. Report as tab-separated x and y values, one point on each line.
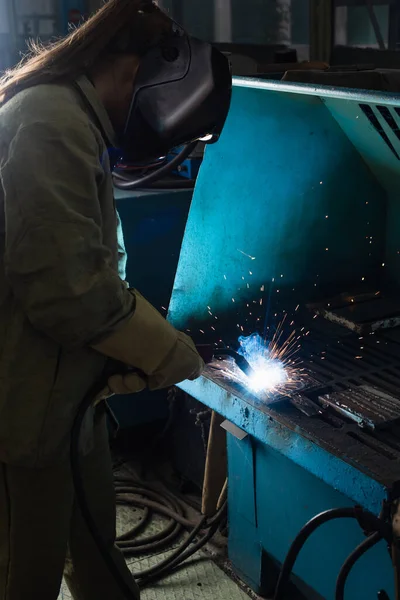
60	285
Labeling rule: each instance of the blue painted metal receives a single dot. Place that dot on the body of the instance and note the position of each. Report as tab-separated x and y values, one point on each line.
153	224
286	496
263	425
299	196
278	480
190	167
272	203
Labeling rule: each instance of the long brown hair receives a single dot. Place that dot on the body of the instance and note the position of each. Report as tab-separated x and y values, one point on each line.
121	26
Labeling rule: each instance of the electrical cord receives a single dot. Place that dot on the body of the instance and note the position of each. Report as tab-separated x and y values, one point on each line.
123	183
344	573
149	498
137	494
367	521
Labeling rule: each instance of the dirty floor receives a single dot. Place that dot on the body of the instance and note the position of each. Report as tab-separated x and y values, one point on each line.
200	580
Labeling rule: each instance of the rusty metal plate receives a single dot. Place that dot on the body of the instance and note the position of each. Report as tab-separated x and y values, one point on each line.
361	314
366	405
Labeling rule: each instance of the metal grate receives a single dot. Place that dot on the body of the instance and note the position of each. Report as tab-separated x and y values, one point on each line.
367	406
351	401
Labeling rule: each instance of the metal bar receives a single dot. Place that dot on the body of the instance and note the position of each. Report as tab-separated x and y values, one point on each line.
362	2
321	29
223	21
375	25
383	98
13	24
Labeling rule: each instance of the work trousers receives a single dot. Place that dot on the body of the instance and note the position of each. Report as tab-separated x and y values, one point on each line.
41	525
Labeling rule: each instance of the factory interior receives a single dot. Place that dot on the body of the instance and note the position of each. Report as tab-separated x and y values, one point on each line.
272	240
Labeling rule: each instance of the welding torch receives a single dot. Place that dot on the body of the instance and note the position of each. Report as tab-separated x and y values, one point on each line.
209	352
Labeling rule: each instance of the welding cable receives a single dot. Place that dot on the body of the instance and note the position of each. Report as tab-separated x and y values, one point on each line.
365	519
123	183
176	183
184	552
351	560
161	502
139	494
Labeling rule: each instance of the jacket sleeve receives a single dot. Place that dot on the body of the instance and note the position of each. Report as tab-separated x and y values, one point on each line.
60	272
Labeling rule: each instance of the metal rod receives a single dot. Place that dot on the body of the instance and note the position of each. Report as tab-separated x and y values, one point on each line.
375	25
222	21
383	98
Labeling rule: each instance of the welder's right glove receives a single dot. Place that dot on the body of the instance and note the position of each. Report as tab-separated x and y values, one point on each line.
150	344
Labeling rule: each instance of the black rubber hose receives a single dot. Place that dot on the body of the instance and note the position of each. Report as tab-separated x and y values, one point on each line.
133	184
349	563
166	505
113	568
183	553
160	567
373	522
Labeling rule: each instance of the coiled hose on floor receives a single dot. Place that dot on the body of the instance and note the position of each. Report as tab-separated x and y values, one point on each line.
151	499
141	495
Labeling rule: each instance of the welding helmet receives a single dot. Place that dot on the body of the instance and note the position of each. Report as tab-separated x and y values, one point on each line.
182	93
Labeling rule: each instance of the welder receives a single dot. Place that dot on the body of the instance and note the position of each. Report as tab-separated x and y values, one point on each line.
66	312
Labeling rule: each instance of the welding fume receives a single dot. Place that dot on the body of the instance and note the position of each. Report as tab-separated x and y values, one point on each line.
128	83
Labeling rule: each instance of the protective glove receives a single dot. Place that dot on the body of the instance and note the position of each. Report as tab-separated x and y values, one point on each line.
150	344
128	383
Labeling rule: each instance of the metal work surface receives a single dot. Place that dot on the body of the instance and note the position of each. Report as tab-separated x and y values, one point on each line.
298	203
299	218
331	367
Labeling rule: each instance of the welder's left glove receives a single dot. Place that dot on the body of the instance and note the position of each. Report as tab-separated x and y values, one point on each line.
128	383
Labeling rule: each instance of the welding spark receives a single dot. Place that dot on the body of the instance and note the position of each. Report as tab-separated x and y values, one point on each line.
274	370
245	254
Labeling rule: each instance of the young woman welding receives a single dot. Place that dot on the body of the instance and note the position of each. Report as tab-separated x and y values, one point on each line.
126	79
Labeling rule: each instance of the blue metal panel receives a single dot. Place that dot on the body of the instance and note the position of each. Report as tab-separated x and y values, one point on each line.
286	498
273	189
153	223
341	476
245	550
302	189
